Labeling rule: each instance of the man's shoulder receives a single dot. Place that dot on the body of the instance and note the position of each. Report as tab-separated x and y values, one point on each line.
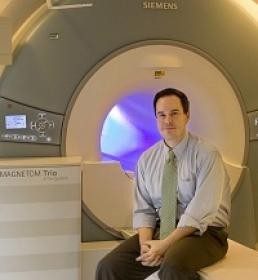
201	145
153	150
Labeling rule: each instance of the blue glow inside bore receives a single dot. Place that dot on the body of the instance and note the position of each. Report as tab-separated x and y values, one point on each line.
129	129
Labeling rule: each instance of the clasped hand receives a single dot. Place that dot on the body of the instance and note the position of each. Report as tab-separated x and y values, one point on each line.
152	252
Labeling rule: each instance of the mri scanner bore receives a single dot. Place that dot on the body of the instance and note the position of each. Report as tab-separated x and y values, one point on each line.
63	88
207	86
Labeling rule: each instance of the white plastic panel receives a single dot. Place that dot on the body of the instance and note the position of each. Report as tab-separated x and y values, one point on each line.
108	193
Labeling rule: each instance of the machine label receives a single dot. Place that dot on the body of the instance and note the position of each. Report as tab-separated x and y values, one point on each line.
21	173
48	175
172	5
256	121
253	120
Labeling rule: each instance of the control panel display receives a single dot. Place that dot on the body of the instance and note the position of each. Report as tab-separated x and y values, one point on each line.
15	121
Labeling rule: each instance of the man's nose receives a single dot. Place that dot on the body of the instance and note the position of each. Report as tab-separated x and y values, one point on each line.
168	119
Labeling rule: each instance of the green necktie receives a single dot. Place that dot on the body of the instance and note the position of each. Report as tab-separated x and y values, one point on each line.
168	196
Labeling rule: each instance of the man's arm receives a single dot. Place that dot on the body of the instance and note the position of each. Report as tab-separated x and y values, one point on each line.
212	192
144	212
145	234
176	235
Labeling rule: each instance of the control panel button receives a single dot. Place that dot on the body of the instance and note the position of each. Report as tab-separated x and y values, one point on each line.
42	125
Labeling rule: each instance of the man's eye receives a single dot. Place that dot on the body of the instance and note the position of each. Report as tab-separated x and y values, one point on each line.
175	114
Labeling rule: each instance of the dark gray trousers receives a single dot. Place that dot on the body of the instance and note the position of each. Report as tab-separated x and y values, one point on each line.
181	261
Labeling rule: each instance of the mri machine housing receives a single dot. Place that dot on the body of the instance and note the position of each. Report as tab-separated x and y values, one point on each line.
63	53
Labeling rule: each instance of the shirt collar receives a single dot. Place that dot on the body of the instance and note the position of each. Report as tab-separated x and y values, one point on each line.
179	148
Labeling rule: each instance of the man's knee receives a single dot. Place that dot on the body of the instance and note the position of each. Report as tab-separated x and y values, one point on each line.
179	260
176	271
105	267
177	268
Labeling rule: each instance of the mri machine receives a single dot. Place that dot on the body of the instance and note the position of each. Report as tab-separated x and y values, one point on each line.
72	65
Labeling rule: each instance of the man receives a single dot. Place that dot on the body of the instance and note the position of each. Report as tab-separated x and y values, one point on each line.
198	237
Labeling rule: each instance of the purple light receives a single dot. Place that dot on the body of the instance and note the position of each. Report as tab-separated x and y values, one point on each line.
129	129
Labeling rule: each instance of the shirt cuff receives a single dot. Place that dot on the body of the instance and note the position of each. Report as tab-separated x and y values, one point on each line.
188	221
144	220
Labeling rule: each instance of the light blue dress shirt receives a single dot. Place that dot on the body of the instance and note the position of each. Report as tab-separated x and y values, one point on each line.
203	190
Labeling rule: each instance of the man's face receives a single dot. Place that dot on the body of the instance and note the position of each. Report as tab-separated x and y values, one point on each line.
171	119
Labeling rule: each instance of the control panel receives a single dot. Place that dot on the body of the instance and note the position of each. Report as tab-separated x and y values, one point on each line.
253	121
20	123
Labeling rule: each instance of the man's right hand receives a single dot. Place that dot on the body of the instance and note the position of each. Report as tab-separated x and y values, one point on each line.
147	259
